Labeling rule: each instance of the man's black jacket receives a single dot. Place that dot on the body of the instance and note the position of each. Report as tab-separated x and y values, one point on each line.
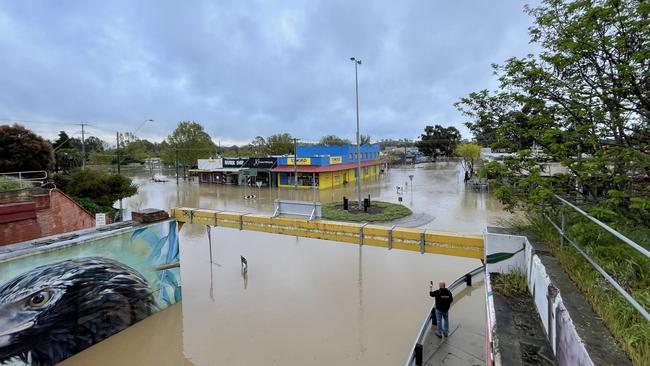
443	297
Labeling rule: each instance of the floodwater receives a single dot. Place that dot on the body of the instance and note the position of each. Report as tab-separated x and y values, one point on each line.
303	301
437	189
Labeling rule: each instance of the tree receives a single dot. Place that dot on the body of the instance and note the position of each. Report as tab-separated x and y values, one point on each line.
584	100
364	139
94	144
280	144
469	153
191	142
63	142
438	141
503	120
332	140
22	150
102	188
258	146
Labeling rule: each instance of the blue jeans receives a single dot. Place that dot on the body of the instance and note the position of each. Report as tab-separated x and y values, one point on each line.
439	316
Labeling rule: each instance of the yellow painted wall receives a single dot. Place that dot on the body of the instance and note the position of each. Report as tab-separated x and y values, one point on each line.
325	180
412	239
335	179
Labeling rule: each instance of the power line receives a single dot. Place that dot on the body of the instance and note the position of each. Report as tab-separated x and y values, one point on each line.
35	121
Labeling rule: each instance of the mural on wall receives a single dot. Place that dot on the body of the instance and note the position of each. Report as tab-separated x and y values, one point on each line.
56	303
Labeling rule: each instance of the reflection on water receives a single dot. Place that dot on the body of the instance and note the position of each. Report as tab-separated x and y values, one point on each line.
437	189
306	301
303	301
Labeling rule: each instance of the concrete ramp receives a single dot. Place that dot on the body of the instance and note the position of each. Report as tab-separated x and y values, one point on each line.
465	345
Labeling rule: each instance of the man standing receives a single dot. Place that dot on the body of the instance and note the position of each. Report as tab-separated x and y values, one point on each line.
444	298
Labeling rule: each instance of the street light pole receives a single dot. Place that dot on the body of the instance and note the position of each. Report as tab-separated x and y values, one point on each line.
356	88
83	146
295	166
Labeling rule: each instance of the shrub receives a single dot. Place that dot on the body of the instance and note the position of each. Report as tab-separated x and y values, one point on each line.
100	187
10	183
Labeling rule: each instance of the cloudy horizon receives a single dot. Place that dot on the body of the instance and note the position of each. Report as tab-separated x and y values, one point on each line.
244	69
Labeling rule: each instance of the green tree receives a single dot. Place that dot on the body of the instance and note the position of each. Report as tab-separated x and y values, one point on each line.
100	187
94	144
280	144
258	146
332	140
584	100
364	139
469	154
21	150
438	141
191	142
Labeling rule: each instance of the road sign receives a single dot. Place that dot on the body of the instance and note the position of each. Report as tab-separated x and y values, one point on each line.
249	173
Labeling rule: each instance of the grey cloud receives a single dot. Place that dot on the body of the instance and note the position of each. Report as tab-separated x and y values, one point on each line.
246	68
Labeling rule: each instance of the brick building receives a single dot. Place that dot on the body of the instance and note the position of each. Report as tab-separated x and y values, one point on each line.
42	213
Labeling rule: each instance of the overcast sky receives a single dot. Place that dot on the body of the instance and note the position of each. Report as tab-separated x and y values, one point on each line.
247	68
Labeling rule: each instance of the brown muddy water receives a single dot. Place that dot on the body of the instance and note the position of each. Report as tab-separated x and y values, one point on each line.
304	301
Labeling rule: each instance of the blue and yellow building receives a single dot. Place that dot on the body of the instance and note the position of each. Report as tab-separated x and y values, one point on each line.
327	166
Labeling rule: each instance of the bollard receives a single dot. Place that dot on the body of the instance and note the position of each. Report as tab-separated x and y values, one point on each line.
368	199
366	204
345	203
434	320
418	354
468	279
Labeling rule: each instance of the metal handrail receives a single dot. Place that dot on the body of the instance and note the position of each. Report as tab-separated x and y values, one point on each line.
624	238
619	288
19	175
425	325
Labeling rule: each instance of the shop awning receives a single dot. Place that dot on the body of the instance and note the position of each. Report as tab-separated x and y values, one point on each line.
323	168
217	170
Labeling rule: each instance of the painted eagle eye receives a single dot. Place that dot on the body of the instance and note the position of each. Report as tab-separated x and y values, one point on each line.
39	299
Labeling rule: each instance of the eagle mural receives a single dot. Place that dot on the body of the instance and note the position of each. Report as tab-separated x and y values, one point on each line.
53	311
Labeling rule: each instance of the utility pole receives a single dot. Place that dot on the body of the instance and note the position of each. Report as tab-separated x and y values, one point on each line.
117	150
177	166
356	88
83	147
295	164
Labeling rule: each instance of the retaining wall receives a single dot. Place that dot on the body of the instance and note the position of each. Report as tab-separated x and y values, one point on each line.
506	253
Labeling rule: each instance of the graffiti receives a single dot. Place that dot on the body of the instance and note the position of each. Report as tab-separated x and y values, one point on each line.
57	310
65	300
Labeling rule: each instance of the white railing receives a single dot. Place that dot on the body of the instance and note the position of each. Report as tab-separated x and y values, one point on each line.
415	356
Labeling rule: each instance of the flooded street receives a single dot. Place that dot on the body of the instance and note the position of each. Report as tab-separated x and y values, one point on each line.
437	191
304	301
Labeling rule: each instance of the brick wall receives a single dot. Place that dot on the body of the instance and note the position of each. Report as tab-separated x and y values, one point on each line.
56	214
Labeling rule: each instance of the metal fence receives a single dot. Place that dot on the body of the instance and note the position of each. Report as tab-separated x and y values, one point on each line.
416	354
561	229
310	209
29	178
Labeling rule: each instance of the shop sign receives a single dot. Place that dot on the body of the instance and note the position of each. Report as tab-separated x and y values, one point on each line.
336	159
233	163
299	161
261	163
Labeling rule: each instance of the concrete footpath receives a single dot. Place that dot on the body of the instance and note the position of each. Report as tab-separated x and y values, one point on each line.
466	342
